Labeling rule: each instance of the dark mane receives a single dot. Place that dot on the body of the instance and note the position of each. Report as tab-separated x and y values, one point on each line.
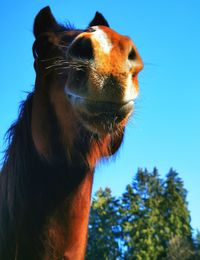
18	139
24	119
68	26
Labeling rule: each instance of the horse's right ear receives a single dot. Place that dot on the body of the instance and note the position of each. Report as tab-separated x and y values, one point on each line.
98	19
44	22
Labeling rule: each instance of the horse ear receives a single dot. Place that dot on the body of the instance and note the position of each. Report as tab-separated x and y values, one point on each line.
98	20
44	22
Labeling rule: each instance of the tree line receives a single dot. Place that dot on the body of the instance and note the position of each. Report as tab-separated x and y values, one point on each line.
150	221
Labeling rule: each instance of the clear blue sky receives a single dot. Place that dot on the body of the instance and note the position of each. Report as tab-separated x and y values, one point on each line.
165	129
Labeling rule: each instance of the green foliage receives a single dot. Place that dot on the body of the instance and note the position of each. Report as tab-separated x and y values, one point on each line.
150	221
175	208
179	248
141	216
104	229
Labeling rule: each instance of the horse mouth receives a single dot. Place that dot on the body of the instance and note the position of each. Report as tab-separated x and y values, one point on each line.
101	116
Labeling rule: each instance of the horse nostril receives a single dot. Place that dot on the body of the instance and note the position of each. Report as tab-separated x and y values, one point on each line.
81	49
132	55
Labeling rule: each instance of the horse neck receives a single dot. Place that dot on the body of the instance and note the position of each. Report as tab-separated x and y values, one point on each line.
50	198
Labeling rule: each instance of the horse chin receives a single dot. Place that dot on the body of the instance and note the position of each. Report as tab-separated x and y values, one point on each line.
101	117
102	124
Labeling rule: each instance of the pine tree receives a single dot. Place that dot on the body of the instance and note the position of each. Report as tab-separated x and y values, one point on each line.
141	216
103	242
175	209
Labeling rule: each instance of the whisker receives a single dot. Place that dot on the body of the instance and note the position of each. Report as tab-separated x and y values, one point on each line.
63	46
151	64
49	59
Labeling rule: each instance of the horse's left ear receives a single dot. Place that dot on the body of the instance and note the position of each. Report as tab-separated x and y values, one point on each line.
44	22
98	20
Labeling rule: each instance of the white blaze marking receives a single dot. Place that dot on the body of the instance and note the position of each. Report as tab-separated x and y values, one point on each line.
100	36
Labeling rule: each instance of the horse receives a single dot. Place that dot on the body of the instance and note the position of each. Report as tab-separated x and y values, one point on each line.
85	87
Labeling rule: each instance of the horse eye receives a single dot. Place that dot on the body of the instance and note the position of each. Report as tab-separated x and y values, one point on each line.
132	54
